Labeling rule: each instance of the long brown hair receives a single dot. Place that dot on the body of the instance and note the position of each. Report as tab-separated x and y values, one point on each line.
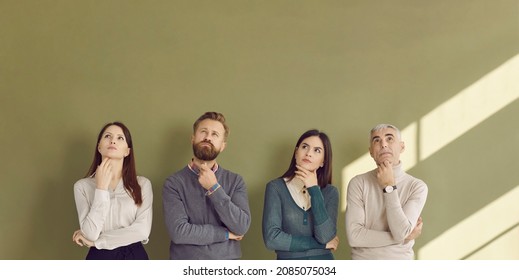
324	174
129	173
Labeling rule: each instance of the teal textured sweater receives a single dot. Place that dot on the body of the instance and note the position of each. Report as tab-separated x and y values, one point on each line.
293	232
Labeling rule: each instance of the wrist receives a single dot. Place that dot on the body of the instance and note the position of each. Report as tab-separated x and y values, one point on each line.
212	189
389	188
388	182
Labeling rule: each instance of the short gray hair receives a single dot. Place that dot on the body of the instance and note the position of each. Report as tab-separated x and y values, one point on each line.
383	126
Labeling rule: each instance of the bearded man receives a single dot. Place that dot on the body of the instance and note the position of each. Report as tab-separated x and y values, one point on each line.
206	208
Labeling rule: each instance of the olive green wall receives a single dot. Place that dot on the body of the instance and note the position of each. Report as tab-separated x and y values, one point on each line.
274	68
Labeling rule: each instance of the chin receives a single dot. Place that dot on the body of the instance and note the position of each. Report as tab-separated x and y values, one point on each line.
310	168
382	159
111	156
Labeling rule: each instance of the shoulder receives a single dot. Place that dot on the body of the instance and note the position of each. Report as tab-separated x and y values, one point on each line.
416	183
360	184
360	178
276	183
228	173
330	190
229	178
277	187
85	183
416	187
177	176
144	182
420	187
420	183
365	175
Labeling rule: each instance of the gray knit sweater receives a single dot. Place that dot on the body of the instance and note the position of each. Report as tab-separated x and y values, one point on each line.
198	224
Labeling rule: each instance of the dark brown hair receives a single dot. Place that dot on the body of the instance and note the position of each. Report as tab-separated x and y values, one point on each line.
213	116
324	174
129	173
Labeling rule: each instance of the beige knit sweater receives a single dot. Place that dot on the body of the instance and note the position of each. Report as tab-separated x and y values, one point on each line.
377	223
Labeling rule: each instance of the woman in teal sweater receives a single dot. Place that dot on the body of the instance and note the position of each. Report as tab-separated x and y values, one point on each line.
300	207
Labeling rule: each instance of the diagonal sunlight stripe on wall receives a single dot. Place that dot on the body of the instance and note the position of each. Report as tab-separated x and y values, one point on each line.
493	92
469	235
468	108
449	120
440	127
502	248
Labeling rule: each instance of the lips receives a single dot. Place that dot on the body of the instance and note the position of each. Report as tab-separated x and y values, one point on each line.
206	144
306	161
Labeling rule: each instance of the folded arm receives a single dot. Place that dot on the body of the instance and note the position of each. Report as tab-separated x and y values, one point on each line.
233	210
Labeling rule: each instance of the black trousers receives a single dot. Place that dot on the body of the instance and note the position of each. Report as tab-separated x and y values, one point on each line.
133	251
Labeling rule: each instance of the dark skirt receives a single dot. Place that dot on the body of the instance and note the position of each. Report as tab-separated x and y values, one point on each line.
328	256
133	251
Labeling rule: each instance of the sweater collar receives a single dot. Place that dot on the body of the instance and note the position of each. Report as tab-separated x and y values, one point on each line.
191	165
397	170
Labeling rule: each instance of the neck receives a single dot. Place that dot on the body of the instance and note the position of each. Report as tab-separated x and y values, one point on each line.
198	162
397	170
298	182
117	169
392	164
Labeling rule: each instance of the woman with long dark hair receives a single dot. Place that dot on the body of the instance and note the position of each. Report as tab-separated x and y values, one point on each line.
300	207
114	205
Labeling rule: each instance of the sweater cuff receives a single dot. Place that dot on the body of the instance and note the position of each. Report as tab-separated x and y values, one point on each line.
100	244
319	210
212	189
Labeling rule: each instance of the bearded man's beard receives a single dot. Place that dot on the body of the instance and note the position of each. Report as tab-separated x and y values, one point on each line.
203	152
